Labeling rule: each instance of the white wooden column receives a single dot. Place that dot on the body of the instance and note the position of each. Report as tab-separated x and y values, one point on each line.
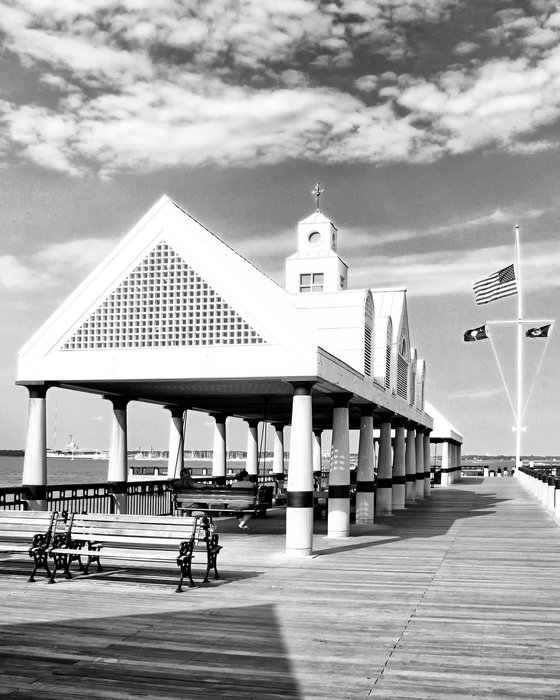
419	452
445	463
278	457
176	460
220	449
317	452
410	465
252	464
399	468
384	484
117	469
299	506
427	475
365	477
34	477
339	474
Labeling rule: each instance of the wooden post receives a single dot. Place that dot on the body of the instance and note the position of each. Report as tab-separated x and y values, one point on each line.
278	458
339	473
419	452
252	464
34	477
317	452
384	484
427	475
219	458
399	469
299	506
176	460
410	465
365	478
117	470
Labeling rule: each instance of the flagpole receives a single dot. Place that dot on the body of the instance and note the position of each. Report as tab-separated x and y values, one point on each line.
519	353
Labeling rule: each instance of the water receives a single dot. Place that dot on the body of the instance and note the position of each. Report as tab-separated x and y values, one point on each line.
92	471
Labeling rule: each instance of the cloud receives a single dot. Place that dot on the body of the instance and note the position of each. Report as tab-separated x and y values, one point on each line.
147	85
478	394
447	272
54	266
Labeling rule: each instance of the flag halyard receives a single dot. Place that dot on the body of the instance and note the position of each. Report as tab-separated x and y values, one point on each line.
498	285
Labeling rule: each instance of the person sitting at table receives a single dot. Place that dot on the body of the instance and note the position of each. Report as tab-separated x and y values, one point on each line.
242	481
185	480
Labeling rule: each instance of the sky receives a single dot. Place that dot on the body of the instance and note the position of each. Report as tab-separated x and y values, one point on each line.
433	127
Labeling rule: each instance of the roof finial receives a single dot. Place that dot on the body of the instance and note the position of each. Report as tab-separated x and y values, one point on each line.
317	192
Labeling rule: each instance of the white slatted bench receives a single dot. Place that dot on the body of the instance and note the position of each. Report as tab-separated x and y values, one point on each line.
28	532
95	536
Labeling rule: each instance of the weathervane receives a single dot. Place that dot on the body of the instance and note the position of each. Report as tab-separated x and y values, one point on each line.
317	192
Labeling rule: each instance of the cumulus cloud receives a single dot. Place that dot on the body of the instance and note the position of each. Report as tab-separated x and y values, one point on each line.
53	266
446	272
147	85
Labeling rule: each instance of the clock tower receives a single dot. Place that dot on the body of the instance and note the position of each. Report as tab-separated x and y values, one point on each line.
316	266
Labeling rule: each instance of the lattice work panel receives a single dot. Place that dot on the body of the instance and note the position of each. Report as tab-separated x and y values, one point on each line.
162	303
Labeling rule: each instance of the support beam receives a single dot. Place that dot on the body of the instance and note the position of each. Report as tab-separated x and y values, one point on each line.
317	452
365	477
339	473
252	464
278	458
419	453
220	448
384	485
117	470
410	465
176	460
34	477
427	475
299	506
399	469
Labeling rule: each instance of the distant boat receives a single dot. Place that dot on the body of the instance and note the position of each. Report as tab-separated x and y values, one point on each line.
72	451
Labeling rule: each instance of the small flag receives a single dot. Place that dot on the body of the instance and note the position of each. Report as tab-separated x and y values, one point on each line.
541	332
497	286
475	334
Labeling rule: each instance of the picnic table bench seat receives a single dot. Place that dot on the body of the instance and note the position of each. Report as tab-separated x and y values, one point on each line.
94	537
28	532
214	500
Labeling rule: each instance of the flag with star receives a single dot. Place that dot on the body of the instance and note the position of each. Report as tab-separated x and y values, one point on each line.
540	332
475	334
496	286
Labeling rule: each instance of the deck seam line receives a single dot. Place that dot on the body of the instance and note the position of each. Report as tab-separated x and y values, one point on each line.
413	613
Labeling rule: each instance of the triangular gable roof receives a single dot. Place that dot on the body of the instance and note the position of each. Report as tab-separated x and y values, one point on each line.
392	302
137	274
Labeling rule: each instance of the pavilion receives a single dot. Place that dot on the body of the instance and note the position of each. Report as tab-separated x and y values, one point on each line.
175	317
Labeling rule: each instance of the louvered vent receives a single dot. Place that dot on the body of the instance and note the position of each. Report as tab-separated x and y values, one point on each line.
402	377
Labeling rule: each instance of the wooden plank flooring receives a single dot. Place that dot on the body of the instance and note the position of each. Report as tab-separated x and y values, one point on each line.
457	596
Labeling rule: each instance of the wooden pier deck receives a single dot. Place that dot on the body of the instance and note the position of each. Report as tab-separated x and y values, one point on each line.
456	597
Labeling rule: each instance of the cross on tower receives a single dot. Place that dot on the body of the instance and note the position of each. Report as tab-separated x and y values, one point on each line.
317	192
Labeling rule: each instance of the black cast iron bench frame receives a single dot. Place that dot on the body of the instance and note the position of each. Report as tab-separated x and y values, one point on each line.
96	536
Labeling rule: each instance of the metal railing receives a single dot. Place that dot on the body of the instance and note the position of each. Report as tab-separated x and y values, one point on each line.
150	497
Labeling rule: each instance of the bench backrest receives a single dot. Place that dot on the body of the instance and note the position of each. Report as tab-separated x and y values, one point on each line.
140	529
22	525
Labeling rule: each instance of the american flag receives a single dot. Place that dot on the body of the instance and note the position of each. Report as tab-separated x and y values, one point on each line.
497	286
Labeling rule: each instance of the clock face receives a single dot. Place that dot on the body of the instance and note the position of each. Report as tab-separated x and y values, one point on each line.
314	237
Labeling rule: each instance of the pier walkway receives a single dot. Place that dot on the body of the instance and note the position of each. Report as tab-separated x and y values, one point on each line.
456	597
